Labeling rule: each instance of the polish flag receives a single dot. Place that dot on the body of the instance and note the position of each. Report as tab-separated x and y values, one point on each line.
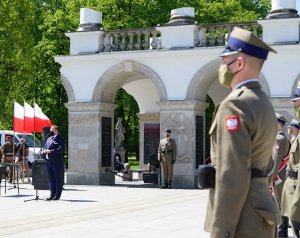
28	118
40	119
18	117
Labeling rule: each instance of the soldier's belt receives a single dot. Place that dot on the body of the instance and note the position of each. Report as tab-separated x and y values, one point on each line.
257	173
207	174
292	174
167	151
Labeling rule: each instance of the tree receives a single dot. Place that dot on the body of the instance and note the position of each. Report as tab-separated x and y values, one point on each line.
32	32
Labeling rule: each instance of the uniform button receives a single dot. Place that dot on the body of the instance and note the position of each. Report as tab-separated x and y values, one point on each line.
227	234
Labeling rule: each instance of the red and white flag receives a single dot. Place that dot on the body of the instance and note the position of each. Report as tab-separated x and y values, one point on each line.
18	117
28	118
40	119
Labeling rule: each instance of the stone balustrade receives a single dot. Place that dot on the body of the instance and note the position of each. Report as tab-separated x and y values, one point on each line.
149	38
215	34
129	39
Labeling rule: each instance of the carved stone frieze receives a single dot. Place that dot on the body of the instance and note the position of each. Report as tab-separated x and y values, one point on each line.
182	132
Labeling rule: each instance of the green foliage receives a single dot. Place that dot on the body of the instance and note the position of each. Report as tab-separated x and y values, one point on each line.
127	109
32	33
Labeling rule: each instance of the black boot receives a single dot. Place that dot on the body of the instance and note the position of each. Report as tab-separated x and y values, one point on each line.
283	227
296	228
170	183
166	184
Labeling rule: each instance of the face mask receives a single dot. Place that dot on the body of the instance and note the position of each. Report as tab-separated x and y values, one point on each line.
225	75
52	133
297	111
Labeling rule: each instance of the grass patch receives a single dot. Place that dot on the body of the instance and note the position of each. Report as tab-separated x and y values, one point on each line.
134	163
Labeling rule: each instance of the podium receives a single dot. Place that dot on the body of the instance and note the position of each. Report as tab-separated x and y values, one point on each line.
40	179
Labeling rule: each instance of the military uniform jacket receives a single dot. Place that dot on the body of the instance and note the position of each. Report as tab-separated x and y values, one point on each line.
8	150
242	133
167	149
290	203
280	151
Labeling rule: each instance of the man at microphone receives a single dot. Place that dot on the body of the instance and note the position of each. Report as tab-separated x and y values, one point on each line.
53	152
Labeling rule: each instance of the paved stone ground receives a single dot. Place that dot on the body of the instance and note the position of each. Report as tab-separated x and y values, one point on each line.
126	210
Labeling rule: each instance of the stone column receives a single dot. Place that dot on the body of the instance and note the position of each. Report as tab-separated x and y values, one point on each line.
85	165
283	9
282	24
148	121
180	31
181	118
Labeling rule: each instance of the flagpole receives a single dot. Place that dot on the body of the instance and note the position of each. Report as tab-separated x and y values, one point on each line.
33	129
13	131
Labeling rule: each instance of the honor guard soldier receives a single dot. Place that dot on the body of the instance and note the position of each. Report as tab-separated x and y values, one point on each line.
242	135
290	199
167	152
8	151
280	156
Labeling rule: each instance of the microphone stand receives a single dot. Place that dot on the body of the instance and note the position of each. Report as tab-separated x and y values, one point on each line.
35	174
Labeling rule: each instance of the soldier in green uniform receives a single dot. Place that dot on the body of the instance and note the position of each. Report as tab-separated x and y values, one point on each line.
280	151
8	151
167	151
290	200
242	134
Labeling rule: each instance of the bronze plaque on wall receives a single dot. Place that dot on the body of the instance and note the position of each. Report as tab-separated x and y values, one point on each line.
200	138
151	141
106	142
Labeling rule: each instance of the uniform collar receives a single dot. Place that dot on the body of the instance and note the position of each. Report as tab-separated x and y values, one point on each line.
250	83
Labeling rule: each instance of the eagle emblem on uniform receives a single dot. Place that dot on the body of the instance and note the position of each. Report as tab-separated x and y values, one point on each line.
232	123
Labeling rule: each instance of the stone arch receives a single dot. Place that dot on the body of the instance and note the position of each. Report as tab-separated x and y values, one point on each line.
69	90
113	78
295	84
205	77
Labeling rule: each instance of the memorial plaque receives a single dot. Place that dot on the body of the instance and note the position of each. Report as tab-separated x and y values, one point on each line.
200	138
106	141
151	140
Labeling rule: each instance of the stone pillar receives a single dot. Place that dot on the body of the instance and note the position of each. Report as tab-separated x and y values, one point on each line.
181	118
90	20
283	9
89	36
180	31
85	162
282	24
149	125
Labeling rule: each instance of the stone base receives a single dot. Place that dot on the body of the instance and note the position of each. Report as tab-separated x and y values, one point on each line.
90	179
184	181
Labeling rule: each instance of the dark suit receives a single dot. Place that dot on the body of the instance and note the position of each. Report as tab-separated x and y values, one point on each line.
55	164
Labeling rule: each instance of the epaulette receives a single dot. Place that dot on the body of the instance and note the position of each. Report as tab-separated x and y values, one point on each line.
278	137
237	92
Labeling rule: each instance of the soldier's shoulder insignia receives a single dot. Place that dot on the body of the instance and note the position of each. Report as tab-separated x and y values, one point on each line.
232	123
237	92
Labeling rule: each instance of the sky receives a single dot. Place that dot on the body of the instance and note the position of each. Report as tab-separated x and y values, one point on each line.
298	6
